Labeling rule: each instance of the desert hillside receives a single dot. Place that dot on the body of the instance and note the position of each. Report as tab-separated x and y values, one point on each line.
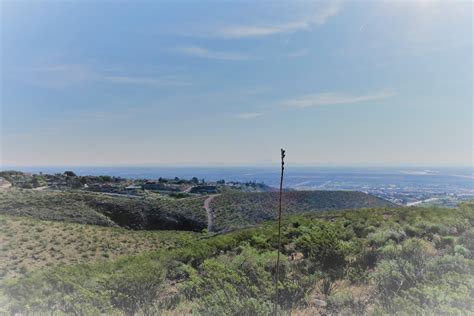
242	209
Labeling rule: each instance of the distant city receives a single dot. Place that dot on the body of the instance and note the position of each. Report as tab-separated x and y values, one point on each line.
404	186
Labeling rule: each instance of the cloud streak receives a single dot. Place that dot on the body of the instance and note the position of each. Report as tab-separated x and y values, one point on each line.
244	31
323	99
197	51
249	115
63	75
154	81
298	53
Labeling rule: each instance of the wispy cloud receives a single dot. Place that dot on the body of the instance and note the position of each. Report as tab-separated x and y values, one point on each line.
242	31
201	52
55	75
155	81
249	115
62	75
321	99
298	53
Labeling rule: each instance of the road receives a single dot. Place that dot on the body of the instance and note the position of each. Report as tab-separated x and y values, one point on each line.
422	201
209	211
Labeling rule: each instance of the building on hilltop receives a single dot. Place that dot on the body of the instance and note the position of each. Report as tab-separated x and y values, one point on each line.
204	189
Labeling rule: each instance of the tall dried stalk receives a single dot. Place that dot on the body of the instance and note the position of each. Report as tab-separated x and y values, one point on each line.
277	292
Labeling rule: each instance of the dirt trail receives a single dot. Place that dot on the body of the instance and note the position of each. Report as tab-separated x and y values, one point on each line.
4	184
40	188
209	211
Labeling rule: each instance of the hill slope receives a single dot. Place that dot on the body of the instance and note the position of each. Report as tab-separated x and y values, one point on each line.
241	209
154	212
99	209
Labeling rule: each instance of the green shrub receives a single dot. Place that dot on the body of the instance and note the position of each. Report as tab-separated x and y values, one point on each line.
404	269
437	228
127	285
440	266
244	284
467	239
434	300
223	289
322	247
340	299
135	285
461	250
390	250
380	237
411	231
388	280
444	241
57	290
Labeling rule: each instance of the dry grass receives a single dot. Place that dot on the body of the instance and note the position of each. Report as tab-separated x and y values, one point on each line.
28	244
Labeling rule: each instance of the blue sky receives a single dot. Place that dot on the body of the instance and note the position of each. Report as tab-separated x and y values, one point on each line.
229	83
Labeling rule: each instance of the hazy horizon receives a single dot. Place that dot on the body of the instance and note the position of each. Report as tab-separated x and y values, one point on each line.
272	165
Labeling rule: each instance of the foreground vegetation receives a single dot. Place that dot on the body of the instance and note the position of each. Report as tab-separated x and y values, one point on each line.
27	244
375	261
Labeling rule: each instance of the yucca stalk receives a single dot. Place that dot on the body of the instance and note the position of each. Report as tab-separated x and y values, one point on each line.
277	291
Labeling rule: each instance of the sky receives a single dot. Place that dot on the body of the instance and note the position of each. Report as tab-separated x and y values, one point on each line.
337	83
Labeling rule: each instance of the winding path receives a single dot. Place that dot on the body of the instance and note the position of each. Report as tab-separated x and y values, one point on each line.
209	211
4	184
